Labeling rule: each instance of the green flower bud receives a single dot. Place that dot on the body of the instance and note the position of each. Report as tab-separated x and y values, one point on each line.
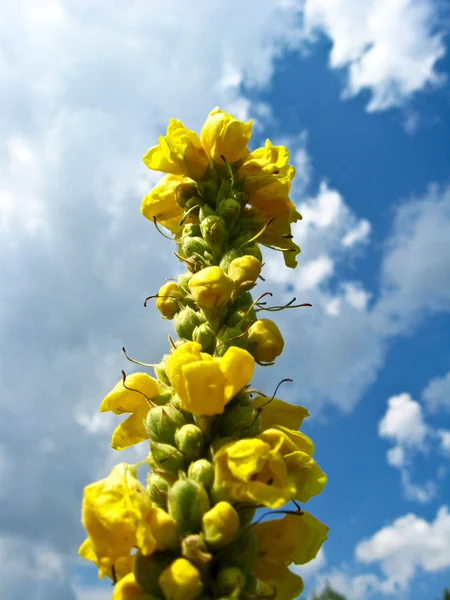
211	287
160	370
214	232
162	422
183	281
228	258
240	421
242	552
193	548
230	579
220	525
147	570
204	335
187	503
189	440
205	212
191	230
163	398
158	485
165	457
202	471
254	250
265	341
185	322
195	245
242	302
230	210
208	188
230	336
241	318
170	299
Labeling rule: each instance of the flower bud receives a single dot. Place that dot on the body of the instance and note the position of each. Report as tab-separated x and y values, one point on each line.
148	568
191	230
158	485
169	300
160	371
128	588
244	271
162	422
165	457
220	525
189	440
183	281
187	503
202	471
214	232
204	335
243	301
242	317
193	548
265	341
238	419
230	579
181	581
230	336
205	212
195	245
254	250
164	529
228	258
185	322
242	552
229	210
211	287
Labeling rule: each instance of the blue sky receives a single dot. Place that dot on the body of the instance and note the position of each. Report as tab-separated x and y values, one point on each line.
360	92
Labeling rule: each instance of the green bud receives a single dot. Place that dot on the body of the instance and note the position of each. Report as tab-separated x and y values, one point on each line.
204	335
189	440
191	230
163	398
254	250
230	579
202	471
242	302
165	457
183	280
228	257
158	485
240	421
160	370
193	548
214	232
242	552
230	210
208	188
194	245
147	570
205	212
225	191
187	503
185	322
242	317
230	336
162	422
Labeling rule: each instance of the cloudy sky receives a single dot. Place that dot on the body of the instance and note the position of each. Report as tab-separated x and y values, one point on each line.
360	92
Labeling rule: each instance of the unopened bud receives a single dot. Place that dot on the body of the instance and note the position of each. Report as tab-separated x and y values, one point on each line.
193	548
202	471
164	529
230	336
229	210
230	579
211	287
254	250
220	525
189	440
187	503
204	335
165	457
195	245
160	371
191	230
244	271
185	322
162	422
265	341
242	552
181	581
205	212
242	317
240	421
158	485
214	232
228	258
183	281
148	568
169	300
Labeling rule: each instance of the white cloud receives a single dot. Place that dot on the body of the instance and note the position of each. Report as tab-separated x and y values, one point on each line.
444	438
408	544
390	47
359	234
437	393
356	587
403	422
314	273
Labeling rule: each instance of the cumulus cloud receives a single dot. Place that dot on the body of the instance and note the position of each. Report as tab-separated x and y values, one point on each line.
389	47
436	395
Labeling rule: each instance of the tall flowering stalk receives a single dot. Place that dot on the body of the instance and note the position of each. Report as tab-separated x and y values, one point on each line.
218	450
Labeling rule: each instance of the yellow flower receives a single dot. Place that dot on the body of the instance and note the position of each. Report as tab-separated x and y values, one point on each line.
211	287
114	514
164	528
122	566
271	469
282	585
277	412
162	202
265	341
205	384
181	581
220	525
129	589
223	135
130	399
169	301
244	271
264	165
296	538
179	152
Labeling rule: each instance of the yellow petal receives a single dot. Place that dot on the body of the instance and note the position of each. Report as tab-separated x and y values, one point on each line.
275	412
131	431
237	365
121	399
128	589
205	388
285	585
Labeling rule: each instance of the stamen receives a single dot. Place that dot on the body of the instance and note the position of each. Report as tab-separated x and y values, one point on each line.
124	377
136	362
161	232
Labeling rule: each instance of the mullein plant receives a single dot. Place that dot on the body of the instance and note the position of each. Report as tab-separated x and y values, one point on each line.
218	449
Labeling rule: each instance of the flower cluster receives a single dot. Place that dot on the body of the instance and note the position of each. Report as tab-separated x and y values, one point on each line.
218	450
